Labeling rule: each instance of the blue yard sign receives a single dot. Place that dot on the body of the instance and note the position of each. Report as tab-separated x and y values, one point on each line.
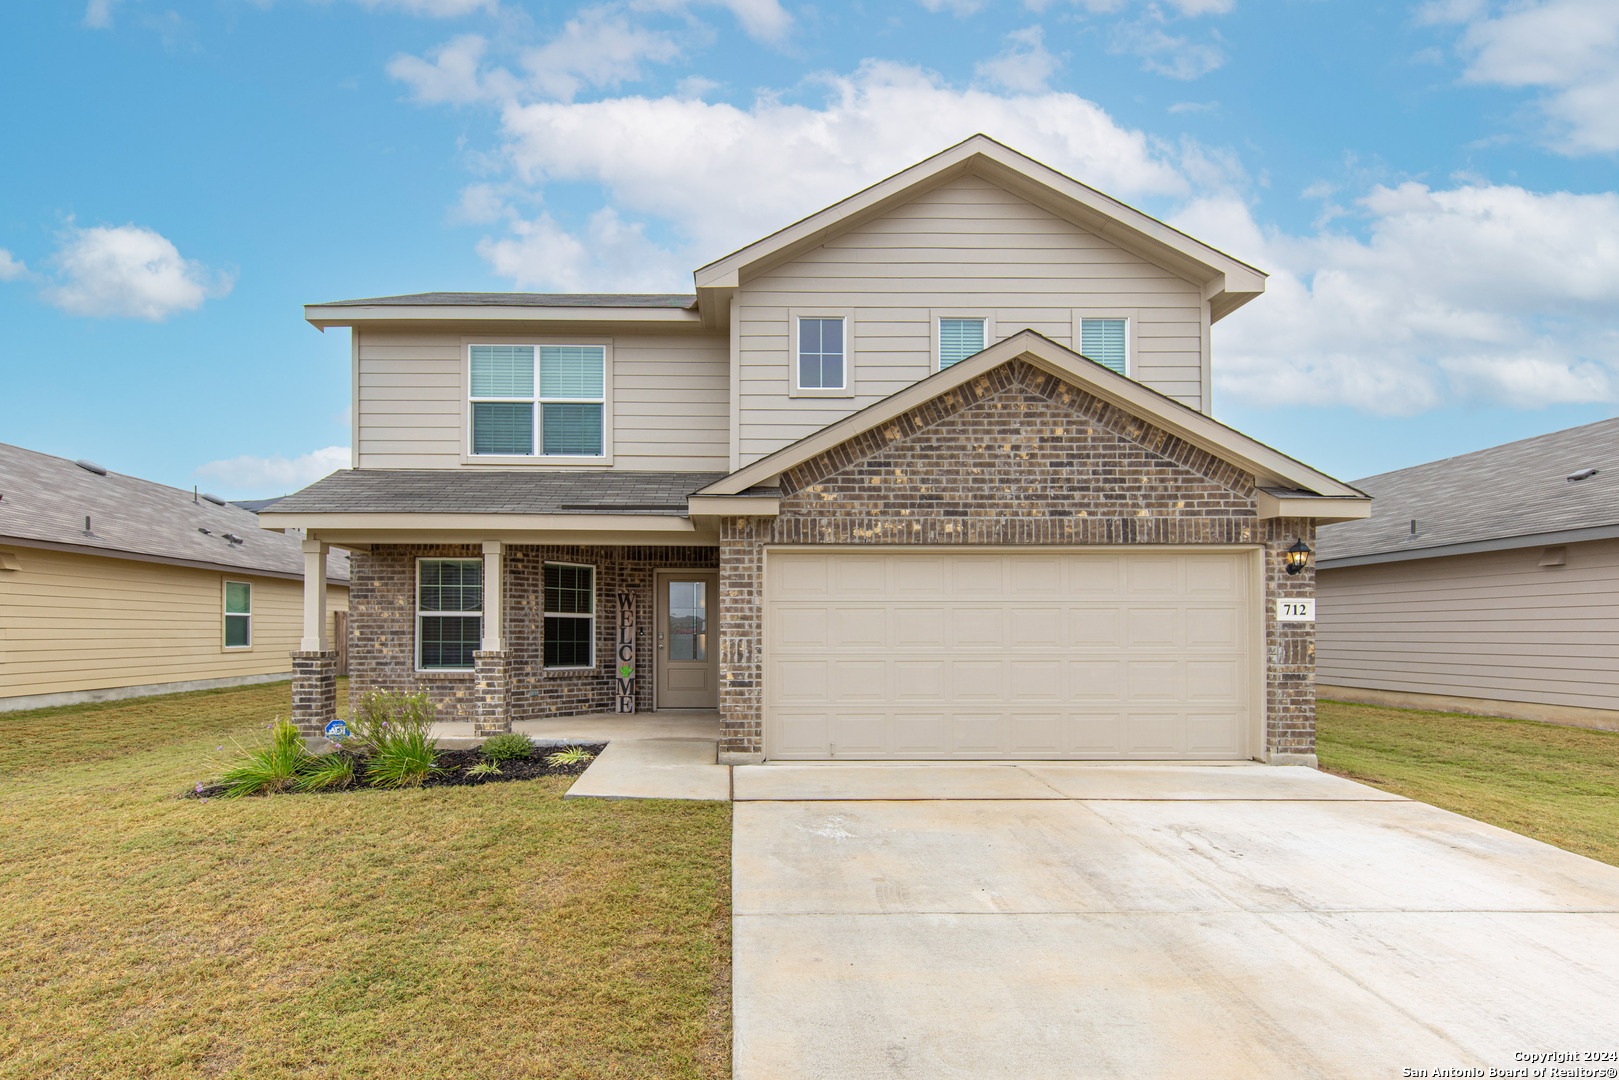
337	730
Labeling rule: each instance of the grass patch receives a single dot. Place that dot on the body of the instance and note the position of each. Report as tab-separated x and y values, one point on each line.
485	931
1554	783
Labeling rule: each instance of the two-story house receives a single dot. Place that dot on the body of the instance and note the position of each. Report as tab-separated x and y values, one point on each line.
929	474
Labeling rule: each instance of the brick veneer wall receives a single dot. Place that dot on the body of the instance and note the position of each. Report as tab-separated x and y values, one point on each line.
1015	456
382	620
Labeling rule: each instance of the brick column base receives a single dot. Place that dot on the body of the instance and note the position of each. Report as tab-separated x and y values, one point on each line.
314	692
490	716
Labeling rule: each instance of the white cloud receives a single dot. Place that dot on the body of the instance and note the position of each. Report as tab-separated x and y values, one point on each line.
1568	48
11	268
1024	66
613	255
667	157
1478	293
765	20
955	7
98	13
275	474
128	271
436	9
598	48
1174	55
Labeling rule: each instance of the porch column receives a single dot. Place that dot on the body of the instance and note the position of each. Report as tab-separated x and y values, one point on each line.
314	665
491	711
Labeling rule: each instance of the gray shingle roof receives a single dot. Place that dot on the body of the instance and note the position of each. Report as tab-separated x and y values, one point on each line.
495	491
46	499
508	299
1518	489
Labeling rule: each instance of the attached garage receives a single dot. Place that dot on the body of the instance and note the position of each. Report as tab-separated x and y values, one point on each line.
1144	653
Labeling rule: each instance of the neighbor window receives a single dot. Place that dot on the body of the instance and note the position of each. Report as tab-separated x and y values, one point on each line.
449	612
822	352
570	615
1107	341
238	615
959	339
557	411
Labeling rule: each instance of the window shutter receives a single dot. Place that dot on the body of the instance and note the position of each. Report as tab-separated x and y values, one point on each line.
502	371
959	339
1105	341
572	371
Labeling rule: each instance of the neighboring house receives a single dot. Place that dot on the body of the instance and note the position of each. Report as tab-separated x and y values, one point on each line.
1485	583
114	587
861	492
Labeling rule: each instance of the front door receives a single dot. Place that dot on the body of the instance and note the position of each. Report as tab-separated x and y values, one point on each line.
688	649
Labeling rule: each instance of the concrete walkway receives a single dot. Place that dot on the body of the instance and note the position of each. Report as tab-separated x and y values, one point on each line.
1149	921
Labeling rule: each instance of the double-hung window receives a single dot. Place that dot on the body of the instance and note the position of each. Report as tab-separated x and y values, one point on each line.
570	615
960	338
823	353
538	400
238	615
1107	341
449	612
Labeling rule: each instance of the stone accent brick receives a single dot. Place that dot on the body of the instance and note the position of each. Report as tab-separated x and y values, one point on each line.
382	621
490	714
314	691
1014	457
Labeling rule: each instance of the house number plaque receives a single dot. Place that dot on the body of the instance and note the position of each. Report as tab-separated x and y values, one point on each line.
1296	609
624	655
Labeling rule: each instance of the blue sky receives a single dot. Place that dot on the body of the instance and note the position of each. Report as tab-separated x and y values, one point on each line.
1430	184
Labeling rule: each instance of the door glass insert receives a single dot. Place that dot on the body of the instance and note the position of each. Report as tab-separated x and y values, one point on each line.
688	620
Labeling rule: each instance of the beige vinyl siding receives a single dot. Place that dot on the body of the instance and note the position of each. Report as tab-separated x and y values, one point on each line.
968	247
670	400
72	622
1494	625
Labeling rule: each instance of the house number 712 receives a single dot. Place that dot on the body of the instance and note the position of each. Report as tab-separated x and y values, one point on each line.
1296	610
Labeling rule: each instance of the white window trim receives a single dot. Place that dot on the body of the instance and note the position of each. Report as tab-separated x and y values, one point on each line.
545	613
416	625
225	613
537	458
1131	317
847	389
939	314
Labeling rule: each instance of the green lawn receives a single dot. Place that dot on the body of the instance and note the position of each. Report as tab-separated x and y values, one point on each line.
1557	784
495	931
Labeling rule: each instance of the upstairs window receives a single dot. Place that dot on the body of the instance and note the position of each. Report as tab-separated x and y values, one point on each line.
570	615
449	612
238	615
1107	341
822	356
959	339
557	411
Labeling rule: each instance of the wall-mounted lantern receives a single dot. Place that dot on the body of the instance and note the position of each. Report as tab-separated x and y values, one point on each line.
1298	557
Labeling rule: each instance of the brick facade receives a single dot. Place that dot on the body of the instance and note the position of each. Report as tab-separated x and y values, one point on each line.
382	628
314	691
1013	457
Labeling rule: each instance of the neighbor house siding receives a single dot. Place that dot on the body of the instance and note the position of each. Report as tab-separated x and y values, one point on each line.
968	247
71	623
670	398
1495	626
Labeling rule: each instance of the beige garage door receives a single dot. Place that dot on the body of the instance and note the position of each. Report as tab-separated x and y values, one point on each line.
906	654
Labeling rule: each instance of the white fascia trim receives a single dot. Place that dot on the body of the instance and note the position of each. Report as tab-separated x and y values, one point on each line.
1271	467
1502	543
324	316
1323	510
732	506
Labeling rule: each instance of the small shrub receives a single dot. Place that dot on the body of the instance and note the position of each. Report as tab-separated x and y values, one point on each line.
329	772
484	768
384	714
508	747
268	768
401	758
572	755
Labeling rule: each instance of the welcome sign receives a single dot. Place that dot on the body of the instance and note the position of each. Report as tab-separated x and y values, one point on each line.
625	658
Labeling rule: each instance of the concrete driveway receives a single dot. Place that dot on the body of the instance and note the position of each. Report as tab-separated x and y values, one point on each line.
1236	921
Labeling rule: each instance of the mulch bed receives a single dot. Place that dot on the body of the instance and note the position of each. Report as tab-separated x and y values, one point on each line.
452	771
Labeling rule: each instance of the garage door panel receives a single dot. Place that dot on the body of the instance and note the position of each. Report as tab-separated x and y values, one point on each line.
1099	655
